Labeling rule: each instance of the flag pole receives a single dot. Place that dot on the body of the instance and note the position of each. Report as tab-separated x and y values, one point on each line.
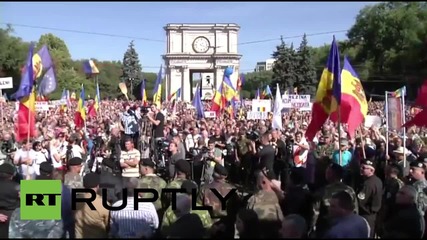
339	134
386	124
404	129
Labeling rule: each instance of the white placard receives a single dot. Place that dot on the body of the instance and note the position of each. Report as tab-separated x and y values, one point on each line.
6	83
373	121
210	114
256	115
301	102
261	105
42	106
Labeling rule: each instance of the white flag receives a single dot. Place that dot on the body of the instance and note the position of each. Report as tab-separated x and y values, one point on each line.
277	110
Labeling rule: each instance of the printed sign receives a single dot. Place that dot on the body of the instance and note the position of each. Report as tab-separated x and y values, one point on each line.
261	105
256	115
42	106
300	102
210	114
6	83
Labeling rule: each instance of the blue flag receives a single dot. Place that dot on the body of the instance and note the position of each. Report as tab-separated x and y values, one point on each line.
197	103
48	83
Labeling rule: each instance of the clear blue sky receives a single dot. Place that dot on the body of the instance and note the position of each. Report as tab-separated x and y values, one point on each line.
258	21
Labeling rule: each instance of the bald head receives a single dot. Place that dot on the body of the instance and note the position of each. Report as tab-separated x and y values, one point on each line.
294	226
406	195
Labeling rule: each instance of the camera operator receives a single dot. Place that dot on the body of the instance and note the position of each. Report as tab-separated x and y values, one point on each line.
281	165
300	150
265	153
157	119
130	125
174	157
211	158
197	156
129	160
8	148
180	145
243	156
219	139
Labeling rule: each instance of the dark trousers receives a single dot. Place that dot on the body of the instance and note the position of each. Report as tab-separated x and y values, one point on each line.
4	226
281	171
371	221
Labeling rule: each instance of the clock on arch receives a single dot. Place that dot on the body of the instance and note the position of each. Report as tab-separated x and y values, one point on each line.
201	45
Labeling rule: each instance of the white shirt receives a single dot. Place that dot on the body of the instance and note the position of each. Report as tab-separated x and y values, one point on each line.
130	223
62	149
191	141
53	151
300	154
24	169
38	157
77	151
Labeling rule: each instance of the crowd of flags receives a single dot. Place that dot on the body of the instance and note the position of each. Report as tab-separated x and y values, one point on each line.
339	97
38	80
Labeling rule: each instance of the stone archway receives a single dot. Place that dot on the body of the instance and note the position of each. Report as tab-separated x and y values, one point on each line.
199	47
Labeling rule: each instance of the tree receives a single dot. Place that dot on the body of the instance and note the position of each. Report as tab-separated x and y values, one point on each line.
392	35
256	80
131	67
66	75
13	52
306	81
284	69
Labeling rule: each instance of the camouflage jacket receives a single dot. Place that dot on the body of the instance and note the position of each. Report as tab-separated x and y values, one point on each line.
325	150
322	202
266	205
421	186
34	228
175	183
208	198
73	180
153	182
169	218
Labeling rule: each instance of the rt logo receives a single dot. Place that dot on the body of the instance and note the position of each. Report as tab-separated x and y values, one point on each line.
41	199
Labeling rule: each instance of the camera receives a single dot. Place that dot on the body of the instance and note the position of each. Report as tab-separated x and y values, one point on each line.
252	135
7	147
144	110
98	142
230	147
162	146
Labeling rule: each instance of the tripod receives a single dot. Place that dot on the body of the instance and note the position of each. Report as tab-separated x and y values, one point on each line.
143	139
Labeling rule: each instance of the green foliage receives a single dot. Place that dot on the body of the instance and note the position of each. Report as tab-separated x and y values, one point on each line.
132	70
387	41
69	73
285	67
306	70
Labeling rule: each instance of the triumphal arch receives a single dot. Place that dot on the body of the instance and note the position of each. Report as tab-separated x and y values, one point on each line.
199	48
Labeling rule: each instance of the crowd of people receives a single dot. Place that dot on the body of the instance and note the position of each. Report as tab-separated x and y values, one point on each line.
286	186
